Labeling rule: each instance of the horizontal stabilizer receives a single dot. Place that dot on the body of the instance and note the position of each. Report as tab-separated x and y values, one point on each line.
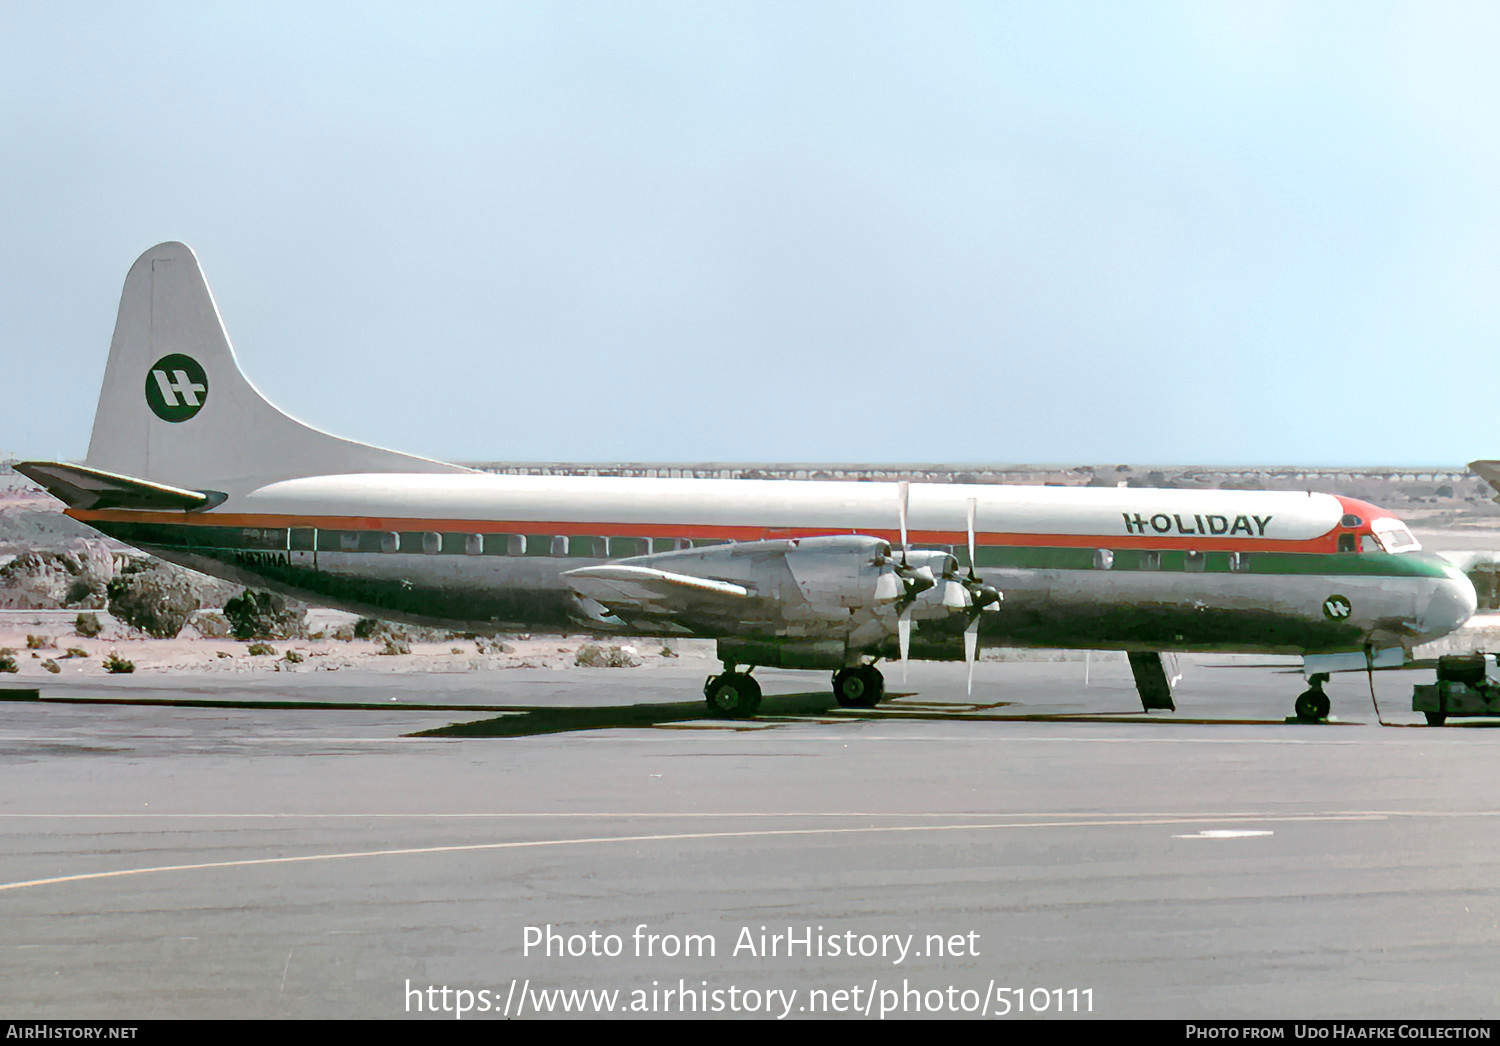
79	486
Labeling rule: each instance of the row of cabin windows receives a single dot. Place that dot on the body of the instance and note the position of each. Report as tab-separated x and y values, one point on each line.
564	545
432	543
1192	561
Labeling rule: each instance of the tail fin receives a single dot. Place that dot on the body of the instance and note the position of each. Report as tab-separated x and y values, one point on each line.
175	408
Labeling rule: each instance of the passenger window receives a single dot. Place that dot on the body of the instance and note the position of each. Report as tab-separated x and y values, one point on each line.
1104	559
432	543
390	542
560	545
585	546
473	544
1239	562
1194	561
1150	560
255	537
349	540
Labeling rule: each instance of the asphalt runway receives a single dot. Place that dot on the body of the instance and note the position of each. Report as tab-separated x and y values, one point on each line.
1040	849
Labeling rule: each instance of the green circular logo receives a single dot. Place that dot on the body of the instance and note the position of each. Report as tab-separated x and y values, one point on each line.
1337	608
176	387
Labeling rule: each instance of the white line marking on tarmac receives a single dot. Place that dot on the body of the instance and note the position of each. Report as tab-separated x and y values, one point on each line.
659	837
1223	833
1207	815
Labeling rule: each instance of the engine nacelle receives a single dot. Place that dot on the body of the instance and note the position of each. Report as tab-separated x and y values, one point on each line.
848	572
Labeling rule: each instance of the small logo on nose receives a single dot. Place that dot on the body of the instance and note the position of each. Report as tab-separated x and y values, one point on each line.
1337	608
176	387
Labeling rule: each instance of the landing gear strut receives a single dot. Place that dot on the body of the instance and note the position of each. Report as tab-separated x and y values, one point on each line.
861	687
732	695
1313	705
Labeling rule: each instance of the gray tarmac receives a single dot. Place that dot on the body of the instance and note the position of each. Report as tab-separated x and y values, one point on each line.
1039	844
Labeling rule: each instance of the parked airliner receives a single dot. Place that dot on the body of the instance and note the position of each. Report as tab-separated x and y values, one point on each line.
189	462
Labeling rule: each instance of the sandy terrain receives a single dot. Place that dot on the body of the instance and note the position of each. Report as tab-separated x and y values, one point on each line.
191	653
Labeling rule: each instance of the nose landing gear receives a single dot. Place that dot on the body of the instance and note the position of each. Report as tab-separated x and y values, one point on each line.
1313	705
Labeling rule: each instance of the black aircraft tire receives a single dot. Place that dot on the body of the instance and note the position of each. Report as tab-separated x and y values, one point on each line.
1313	705
846	688
861	687
1435	718
733	695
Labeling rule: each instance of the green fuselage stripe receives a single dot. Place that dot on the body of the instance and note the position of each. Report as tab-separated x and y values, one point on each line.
1020	557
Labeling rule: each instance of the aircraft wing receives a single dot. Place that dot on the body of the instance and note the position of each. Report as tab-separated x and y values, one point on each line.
846	587
624	593
619	584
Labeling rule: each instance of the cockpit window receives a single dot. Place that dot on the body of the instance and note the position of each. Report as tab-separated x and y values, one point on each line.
1394	537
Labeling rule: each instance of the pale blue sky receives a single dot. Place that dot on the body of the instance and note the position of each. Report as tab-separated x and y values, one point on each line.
989	232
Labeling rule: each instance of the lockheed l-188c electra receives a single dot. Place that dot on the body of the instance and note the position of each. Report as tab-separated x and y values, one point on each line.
189	462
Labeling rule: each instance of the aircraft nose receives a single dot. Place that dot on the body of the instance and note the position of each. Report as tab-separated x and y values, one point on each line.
1453	603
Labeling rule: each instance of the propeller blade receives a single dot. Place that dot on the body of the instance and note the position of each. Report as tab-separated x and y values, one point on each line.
973	507
904	492
971	648
903	638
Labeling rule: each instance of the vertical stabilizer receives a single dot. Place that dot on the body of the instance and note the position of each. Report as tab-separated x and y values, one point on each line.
176	409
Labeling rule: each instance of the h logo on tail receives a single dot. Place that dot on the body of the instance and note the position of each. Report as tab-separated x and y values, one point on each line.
176	387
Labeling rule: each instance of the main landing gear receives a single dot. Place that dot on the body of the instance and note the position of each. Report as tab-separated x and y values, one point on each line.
732	695
1313	705
735	695
859	687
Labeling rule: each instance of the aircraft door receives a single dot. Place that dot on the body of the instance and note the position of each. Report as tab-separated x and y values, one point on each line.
302	547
